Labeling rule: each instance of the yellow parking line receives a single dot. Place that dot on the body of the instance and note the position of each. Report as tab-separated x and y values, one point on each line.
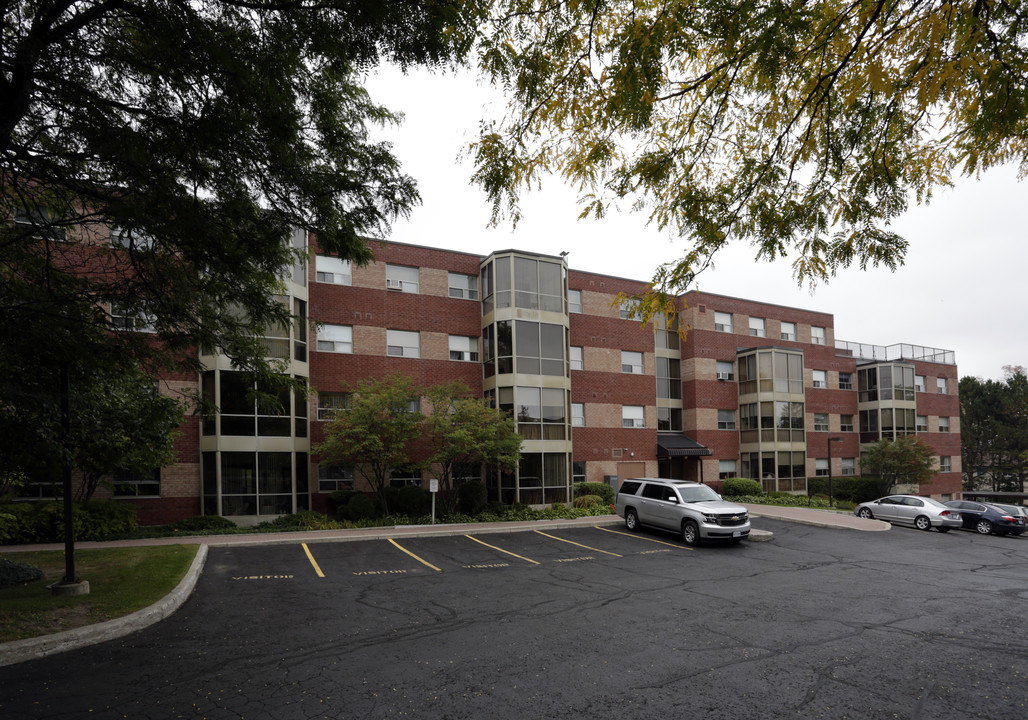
508	552
570	542
314	562
423	562
640	537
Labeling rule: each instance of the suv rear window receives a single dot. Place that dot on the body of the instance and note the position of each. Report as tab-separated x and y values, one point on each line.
629	487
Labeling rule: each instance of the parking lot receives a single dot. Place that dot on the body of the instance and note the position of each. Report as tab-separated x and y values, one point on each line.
591	622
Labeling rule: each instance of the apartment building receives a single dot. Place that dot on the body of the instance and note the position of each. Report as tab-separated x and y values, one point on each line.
748	388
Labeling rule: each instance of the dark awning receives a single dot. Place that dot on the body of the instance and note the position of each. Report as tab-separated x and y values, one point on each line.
679	446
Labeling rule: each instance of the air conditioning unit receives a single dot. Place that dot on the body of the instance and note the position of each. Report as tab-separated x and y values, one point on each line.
394	284
724	376
720	328
626	368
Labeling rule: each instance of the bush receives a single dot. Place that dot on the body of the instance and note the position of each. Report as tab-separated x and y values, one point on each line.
303	520
472	497
33	522
603	490
201	523
584	501
735	487
99	519
854	489
17	573
412	501
360	507
339	499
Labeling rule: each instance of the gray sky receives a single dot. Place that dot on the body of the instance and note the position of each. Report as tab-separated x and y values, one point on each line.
962	287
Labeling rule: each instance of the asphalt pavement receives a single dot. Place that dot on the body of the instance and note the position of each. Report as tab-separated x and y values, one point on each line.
21	650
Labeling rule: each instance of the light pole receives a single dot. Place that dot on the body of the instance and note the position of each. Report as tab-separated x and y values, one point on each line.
831	494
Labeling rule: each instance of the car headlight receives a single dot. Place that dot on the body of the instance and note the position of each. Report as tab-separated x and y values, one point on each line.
710	518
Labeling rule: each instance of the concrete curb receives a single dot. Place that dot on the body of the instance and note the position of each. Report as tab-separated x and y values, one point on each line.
32	648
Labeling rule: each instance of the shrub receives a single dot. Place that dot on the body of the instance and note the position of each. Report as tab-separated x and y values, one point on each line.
360	507
200	523
17	573
603	490
99	519
303	520
412	501
734	487
854	489
471	497
583	501
339	499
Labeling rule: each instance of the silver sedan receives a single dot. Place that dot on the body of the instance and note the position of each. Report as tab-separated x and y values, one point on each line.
920	512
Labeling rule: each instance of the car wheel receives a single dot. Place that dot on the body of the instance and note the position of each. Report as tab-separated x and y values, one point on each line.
631	520
690	533
922	522
866	513
984	527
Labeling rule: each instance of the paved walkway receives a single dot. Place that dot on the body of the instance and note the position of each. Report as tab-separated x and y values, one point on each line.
21	650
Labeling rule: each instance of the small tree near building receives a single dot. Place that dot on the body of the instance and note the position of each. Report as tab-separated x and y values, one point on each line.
463	431
906	460
377	432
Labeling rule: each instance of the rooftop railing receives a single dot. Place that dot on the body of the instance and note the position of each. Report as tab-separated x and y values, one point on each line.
899	351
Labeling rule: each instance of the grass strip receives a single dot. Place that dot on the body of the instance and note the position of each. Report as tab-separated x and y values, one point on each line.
121	581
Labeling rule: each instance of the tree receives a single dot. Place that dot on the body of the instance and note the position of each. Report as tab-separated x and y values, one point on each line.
980	408
802	127
377	432
465	431
905	460
200	163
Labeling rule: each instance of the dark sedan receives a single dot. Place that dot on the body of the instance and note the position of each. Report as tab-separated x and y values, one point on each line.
987	519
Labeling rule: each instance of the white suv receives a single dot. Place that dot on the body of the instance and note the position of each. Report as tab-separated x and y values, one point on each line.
685	507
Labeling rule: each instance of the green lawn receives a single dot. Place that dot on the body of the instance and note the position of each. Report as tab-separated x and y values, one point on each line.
121	581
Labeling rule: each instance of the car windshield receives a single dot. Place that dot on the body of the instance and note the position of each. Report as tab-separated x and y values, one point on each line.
698	493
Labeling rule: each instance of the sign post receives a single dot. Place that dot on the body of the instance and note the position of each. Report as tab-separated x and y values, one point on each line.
433	487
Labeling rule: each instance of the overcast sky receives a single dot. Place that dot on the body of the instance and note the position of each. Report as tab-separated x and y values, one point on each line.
962	287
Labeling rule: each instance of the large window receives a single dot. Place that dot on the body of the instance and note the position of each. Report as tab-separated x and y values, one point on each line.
125	318
335	338
133	483
540	348
666	335
335	477
131	239
401	477
400	277
669	378
256	483
723	322
463	286
403	343
778	372
543	478
330	404
333	270
540	412
669	419
463	348
631	362
247	410
538	285
632	416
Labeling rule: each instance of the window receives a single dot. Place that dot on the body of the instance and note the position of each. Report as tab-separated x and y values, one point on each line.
578	414
846	423
669	418
540	348
845	381
788	330
820	422
817	335
463	286
821	467
538	284
727	469
669	378
726	419
945	464
632	416
725	370
941	386
464	348
132	483
399	277
820	379
403	343
541	412
944	424
758	327
333	270
723	322
631	362
919	383
335	338
628	306
666	334
335	477
576	358
574	301
401	477
848	466
922	423
124	318
123	238
40	221
330	404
